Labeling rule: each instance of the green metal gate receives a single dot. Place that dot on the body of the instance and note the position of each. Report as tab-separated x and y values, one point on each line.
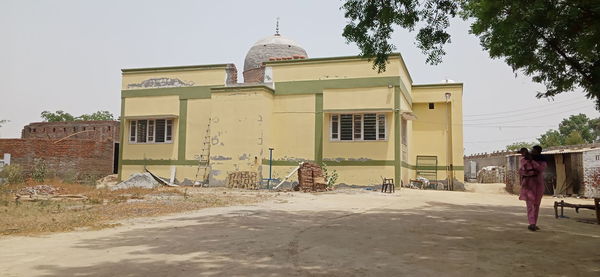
427	167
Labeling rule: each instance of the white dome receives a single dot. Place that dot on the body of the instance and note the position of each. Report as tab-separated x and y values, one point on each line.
277	39
271	47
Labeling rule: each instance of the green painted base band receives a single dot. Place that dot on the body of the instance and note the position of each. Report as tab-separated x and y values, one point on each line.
336	163
162	162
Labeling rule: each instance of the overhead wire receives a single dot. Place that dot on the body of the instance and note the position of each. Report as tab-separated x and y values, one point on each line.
579	105
524	109
554	112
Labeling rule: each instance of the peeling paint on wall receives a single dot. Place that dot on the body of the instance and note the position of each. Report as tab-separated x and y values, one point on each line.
215	140
244	157
161	83
220	158
346	159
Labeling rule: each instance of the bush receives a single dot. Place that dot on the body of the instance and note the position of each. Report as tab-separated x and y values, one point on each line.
13	174
39	170
330	176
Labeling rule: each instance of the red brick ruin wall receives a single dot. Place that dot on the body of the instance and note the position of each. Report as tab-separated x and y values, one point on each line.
94	130
69	157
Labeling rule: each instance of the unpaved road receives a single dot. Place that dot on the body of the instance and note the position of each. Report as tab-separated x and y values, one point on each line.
347	233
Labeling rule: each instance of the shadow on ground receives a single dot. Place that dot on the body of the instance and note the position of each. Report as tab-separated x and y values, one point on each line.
438	239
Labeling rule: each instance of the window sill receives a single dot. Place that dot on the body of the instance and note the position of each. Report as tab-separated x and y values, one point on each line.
143	143
347	141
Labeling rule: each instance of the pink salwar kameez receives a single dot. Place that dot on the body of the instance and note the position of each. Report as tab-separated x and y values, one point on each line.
532	186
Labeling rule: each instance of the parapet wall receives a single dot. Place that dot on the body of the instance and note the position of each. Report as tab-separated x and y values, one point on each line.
94	130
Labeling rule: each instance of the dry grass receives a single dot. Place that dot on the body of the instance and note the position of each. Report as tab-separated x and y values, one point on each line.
102	207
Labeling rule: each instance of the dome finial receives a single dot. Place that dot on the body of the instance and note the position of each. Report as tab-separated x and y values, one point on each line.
277	27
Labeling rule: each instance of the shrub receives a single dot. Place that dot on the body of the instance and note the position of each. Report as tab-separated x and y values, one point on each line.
330	176
13	174
39	170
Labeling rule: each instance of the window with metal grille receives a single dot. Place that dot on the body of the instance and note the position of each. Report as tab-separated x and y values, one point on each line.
358	127
346	127
335	122
151	131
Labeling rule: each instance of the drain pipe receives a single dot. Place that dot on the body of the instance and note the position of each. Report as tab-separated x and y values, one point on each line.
270	167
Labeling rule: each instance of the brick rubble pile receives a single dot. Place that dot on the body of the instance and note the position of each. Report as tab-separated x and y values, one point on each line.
311	178
39	189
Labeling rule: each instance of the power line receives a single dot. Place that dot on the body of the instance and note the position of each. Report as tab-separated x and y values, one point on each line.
528	118
529	112
522	109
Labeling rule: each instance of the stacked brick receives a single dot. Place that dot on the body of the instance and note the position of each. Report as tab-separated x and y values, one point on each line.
243	180
311	178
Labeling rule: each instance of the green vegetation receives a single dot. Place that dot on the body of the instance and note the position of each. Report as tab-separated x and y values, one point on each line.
554	42
330	176
13	174
57	116
39	170
576	129
518	145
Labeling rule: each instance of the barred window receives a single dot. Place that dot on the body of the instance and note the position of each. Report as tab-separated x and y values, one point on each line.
151	131
358	127
335	122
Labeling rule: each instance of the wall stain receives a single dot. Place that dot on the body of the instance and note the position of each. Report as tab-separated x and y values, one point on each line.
220	158
244	157
346	159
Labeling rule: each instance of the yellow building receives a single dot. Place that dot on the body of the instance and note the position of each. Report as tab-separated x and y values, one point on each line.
338	111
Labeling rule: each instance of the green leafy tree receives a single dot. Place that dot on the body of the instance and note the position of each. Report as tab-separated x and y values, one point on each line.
99	115
59	115
574	138
551	138
554	42
579	123
595	126
63	116
518	145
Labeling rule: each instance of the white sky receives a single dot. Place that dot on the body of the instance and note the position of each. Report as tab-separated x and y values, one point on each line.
67	55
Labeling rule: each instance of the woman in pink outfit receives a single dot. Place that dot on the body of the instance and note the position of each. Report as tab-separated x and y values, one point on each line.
531	169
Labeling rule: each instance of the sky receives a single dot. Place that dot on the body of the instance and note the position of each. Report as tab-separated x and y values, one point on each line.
67	55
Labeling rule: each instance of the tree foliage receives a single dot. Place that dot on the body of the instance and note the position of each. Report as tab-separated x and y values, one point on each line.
554	42
551	138
576	129
577	123
574	138
518	145
99	115
63	116
57	116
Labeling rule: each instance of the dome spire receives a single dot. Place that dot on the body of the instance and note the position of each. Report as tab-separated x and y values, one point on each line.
277	27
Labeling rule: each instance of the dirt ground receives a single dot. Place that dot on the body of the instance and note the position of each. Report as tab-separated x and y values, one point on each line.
481	232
